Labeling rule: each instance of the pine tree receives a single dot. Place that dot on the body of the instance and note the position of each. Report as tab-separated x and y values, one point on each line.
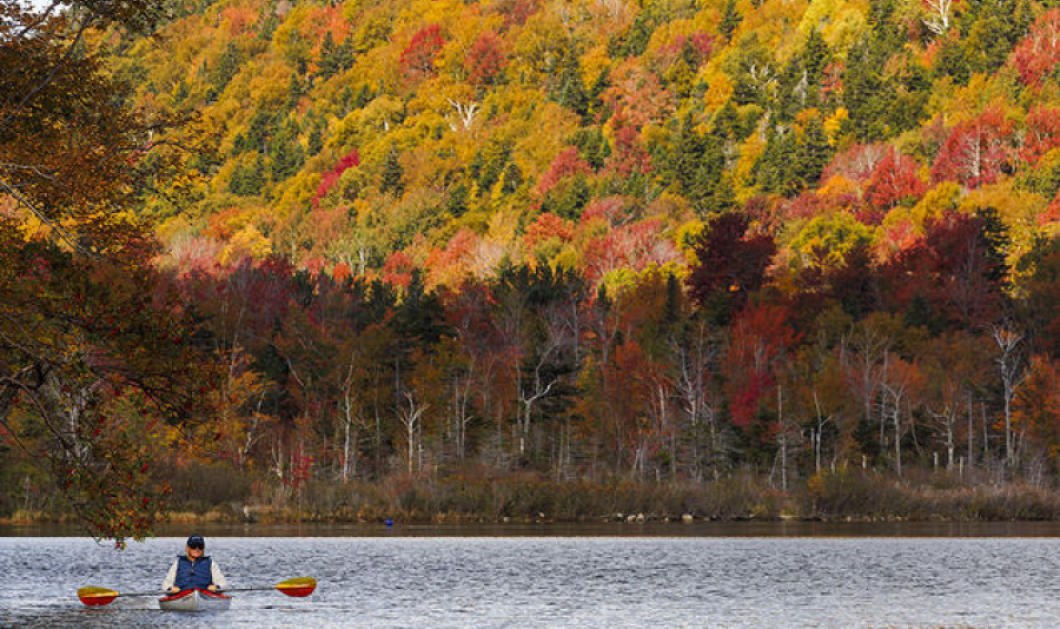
254	179
568	199
636	39
295	90
727	123
315	141
326	67
287	156
730	19
776	167
864	95
489	163
392	174
815	56
227	67
994	234
682	158
512	179
704	190
262	127
180	93
456	202
592	146
237	180
420	314
812	155
570	89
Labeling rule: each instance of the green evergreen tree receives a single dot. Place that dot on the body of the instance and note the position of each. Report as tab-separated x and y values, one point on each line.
364	96
570	89
592	146
727	123
953	61
180	93
262	127
295	90
512	179
286	153
315	140
227	67
864	95
568	199
635	41
420	315
815	57
682	156
489	163
326	66
392	174
254	180
237	180
775	169
995	236
750	68
813	154
730	19
456	202
596	92
705	191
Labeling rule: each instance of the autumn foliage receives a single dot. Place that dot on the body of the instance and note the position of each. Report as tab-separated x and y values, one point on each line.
312	245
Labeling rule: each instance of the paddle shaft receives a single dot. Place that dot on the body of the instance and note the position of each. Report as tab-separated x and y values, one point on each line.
297	587
127	594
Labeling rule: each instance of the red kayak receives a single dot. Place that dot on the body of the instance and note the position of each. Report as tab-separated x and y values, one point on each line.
195	601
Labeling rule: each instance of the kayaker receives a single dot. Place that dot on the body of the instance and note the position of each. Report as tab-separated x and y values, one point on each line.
194	571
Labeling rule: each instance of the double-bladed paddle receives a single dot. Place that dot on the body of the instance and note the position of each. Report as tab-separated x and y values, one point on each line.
95	596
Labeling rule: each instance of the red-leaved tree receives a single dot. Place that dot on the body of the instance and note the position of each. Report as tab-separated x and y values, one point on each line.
761	335
628	156
1043	133
730	263
1038	54
485	60
566	164
893	180
976	150
330	178
417	59
547	226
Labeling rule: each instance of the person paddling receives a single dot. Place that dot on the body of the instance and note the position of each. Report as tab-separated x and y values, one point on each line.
194	571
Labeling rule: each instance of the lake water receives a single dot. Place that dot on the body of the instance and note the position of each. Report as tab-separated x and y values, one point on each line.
554	577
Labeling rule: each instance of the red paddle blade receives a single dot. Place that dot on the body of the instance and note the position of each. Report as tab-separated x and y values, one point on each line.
300	586
96	596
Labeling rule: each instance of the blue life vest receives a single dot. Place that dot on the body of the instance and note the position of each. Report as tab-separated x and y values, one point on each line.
193	575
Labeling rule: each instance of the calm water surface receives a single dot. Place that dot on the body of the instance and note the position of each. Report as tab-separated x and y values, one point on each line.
389	580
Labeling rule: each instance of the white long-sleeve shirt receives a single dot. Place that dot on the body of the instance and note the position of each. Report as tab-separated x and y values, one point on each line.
215	575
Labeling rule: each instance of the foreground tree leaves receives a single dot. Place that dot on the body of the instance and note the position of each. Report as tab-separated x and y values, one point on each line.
95	349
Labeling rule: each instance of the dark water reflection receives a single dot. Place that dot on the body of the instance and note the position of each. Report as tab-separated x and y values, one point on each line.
600	529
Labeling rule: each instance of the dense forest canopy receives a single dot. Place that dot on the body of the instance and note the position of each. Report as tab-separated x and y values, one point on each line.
667	241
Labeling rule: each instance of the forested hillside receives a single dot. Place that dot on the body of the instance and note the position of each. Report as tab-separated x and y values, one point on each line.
674	241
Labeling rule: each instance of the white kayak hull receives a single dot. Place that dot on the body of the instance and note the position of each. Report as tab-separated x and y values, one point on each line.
195	601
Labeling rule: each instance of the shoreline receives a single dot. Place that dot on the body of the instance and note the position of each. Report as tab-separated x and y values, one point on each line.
829	499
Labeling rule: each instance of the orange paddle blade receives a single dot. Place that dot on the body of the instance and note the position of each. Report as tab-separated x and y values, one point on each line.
299	586
95	596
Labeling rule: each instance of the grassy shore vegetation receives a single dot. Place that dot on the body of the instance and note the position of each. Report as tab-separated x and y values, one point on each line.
212	495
